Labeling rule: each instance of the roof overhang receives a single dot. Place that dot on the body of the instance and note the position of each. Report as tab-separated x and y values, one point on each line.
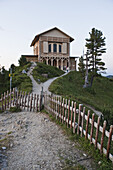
55	28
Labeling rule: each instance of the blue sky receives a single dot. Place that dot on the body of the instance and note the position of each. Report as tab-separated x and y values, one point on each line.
21	20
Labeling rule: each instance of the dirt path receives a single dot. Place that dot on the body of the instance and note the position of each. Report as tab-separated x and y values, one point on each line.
38	144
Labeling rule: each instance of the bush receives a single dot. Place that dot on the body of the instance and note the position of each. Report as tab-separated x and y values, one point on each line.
15	109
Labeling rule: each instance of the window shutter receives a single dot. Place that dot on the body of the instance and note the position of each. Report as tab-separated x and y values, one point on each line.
64	48
45	47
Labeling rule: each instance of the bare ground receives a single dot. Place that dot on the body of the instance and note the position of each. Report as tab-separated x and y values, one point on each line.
37	143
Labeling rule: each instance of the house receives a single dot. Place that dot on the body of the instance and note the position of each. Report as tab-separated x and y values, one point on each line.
53	48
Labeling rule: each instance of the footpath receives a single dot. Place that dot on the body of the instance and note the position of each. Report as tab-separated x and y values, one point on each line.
37	143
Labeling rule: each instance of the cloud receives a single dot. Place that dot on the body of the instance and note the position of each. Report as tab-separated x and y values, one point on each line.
2	29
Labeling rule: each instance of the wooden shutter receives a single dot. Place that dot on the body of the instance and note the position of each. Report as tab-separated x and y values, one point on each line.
45	47
64	48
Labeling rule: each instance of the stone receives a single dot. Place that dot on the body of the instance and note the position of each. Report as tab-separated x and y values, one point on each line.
4	148
84	154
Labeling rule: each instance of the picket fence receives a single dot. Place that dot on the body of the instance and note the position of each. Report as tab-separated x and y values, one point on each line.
80	123
29	102
66	112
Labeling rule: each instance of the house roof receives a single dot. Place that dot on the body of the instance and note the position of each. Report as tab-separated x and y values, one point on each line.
55	28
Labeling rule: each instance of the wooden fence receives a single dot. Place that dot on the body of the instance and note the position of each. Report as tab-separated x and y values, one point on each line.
30	102
81	123
66	112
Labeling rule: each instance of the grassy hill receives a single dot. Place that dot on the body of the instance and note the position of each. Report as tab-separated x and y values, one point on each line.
100	95
19	80
49	71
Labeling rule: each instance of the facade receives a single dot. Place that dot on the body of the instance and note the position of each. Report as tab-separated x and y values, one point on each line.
53	47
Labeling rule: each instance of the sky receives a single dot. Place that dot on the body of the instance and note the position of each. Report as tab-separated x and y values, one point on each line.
21	20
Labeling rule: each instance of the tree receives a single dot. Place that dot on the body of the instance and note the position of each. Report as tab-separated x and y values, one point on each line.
81	65
95	48
22	61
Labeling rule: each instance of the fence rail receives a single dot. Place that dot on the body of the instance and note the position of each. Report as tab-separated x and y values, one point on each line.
81	123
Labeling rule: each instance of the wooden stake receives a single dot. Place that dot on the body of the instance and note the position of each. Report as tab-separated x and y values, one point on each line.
87	123
109	141
63	112
68	113
97	130
92	126
79	118
74	117
82	124
71	115
102	138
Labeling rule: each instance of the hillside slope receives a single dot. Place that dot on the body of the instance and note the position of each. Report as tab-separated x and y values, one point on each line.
100	95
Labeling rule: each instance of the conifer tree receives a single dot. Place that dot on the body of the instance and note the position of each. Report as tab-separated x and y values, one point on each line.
81	65
95	48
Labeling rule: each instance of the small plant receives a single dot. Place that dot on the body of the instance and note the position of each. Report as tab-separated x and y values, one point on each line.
15	109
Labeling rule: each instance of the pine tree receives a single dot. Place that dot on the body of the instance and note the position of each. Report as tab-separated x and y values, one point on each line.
81	65
95	48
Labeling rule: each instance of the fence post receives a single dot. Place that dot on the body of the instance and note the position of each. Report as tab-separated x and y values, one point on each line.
92	126
34	102
37	102
79	118
13	96
97	130
7	99
87	123
68	113
4	100
63	112
22	98
61	109
109	140
71	114
28	101
10	97
56	107
102	138
25	100
31	102
74	117
82	124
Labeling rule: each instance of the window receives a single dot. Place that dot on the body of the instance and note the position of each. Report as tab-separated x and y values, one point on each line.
49	48
55	48
59	48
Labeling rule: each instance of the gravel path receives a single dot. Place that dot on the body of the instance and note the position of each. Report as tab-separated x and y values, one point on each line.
38	87
39	143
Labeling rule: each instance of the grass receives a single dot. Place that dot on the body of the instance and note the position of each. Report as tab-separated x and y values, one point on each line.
86	147
15	109
50	71
99	96
22	81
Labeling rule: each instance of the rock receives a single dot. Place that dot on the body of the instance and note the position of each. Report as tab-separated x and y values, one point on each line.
4	148
99	162
36	167
11	145
84	154
46	120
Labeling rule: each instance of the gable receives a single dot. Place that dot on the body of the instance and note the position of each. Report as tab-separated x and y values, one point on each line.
55	33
